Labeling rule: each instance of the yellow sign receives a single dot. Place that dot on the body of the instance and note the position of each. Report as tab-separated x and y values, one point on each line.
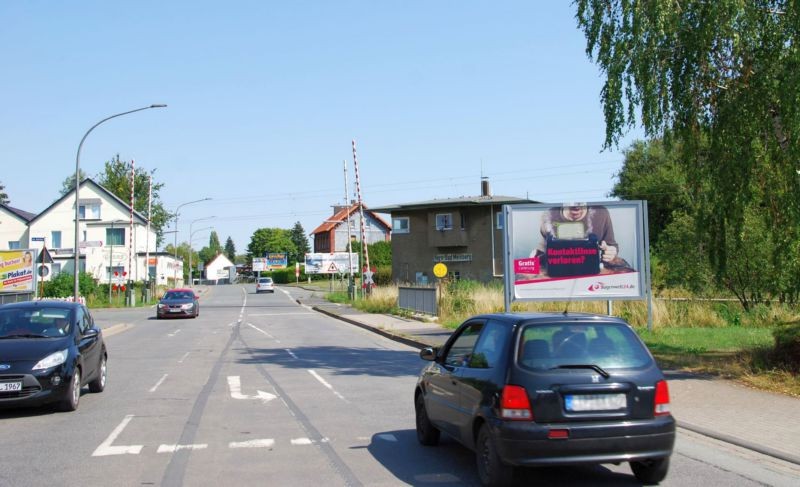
16	270
440	270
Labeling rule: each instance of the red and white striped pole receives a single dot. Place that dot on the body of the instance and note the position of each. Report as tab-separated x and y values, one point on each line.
130	236
367	286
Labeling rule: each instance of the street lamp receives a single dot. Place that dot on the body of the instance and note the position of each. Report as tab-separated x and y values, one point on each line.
191	236
78	184
111	256
177	214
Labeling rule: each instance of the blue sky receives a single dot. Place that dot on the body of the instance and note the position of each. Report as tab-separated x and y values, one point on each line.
265	97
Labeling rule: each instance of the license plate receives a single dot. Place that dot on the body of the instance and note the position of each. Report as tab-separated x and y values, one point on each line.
174	311
595	402
10	386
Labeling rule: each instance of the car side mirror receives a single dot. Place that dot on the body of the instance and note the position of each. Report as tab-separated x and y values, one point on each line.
196	296
91	332
428	353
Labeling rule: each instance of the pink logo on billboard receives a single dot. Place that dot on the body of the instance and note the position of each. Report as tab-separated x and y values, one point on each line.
527	266
601	286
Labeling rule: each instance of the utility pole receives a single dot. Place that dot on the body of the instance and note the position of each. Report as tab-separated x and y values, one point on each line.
147	234
366	277
129	290
350	278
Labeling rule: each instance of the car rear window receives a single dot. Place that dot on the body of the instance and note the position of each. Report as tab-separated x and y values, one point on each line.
607	345
265	280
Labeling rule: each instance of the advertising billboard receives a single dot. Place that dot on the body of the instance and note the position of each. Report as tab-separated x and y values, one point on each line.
17	270
259	264
576	251
277	260
335	263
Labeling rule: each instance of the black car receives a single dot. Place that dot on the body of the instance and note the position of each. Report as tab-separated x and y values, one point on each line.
547	389
178	302
48	351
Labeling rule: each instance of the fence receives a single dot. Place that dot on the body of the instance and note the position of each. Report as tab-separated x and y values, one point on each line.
418	299
15	297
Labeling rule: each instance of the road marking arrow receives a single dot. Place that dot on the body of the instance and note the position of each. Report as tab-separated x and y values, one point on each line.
235	386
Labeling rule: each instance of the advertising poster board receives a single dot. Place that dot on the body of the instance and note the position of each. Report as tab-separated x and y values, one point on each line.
277	260
576	251
259	264
17	270
335	263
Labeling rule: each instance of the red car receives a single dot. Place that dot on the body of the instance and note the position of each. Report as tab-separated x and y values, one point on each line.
178	303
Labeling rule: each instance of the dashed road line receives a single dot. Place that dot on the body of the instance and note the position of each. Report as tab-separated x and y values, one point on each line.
262	331
174	448
183	358
174	333
153	389
324	383
262	443
291	353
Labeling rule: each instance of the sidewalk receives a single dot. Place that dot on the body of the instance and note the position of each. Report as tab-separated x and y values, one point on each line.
764	422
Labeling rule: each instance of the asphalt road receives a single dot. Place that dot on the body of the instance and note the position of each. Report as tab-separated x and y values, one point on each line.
262	391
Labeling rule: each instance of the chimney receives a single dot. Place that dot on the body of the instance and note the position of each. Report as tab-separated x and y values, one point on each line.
485	191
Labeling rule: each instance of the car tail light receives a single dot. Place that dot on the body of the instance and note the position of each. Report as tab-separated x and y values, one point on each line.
514	404
662	399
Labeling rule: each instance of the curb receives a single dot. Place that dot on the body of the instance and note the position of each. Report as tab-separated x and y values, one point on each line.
764	450
733	440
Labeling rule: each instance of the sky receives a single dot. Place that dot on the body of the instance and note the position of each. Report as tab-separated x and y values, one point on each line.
264	99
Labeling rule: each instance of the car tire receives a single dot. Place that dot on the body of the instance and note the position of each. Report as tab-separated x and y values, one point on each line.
98	384
651	472
427	433
491	469
73	394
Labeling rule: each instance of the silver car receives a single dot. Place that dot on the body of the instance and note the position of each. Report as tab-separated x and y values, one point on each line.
265	284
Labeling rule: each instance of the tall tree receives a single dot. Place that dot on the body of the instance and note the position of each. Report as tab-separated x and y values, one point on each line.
722	78
183	254
270	240
230	250
213	243
68	185
298	236
3	196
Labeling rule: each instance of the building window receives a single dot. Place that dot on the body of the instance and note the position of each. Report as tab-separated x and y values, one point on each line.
400	225
499	220
444	221
55	269
89	211
463	221
115	236
55	239
13	245
352	224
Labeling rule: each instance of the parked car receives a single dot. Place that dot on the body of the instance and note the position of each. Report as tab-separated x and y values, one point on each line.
48	351
547	389
178	303
265	285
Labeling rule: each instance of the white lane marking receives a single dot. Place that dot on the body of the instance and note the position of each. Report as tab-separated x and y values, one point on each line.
153	389
262	331
174	448
291	353
106	447
235	386
387	437
183	358
324	383
174	332
281	314
263	443
301	441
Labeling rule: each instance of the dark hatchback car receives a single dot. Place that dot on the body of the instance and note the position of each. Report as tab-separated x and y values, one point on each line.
547	389
178	303
48	351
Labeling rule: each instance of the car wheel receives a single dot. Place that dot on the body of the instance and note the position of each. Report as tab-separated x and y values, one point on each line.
650	472
73	395
491	469
99	382
427	433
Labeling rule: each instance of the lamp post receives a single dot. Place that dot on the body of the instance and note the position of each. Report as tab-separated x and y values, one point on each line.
177	214
111	257
78	184
191	236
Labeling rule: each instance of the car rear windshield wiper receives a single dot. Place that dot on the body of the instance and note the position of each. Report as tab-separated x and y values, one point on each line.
24	335
594	367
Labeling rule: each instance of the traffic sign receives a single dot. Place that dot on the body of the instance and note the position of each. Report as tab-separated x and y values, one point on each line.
440	270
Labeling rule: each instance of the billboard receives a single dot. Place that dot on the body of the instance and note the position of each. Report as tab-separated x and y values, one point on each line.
16	270
583	251
276	260
335	263
259	264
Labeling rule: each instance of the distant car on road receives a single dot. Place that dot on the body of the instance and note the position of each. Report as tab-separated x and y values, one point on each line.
265	284
48	351
178	303
543	389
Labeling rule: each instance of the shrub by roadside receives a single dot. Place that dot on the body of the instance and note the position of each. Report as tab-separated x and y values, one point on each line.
787	346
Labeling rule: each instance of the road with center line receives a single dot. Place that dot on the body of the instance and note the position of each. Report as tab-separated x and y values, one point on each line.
259	390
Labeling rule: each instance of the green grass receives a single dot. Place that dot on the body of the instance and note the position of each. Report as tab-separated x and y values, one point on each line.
701	340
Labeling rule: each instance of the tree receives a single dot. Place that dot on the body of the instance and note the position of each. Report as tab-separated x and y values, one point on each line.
270	240
298	236
68	185
230	250
183	254
3	196
720	78
213	243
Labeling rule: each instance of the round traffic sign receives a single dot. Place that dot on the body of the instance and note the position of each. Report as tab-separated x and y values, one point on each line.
440	270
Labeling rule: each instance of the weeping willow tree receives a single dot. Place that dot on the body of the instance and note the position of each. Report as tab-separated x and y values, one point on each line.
723	78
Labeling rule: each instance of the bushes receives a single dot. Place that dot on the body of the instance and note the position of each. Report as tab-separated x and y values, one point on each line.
787	345
63	285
